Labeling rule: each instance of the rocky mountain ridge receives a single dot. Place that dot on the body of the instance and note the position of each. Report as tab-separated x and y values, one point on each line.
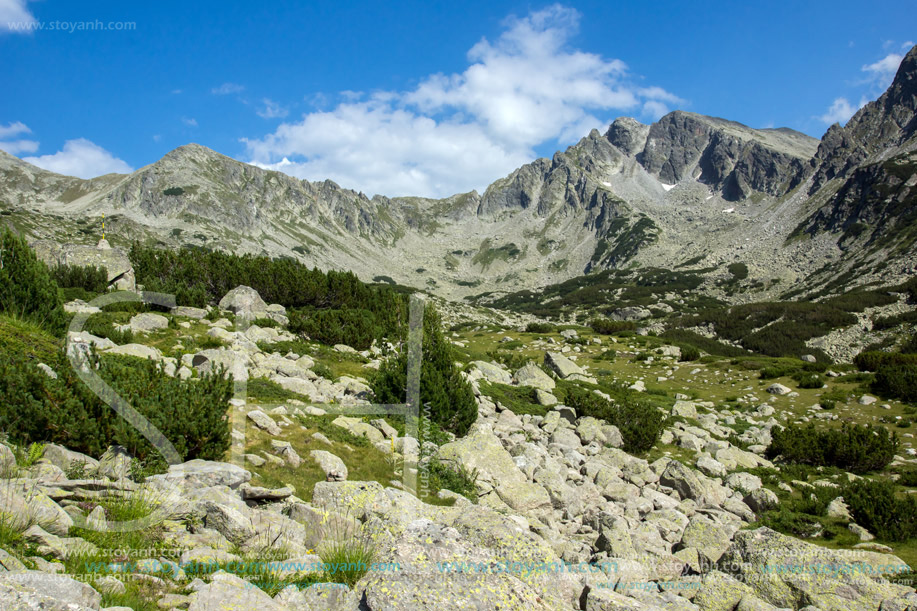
687	187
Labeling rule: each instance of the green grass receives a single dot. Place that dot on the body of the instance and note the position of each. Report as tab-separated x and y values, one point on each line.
18	336
364	461
265	391
518	399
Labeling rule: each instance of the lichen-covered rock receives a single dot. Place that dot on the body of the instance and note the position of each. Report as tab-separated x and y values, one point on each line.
334	468
244	301
685	409
492	372
227	592
25	504
710	540
148	321
468	576
534	376
721	592
35	590
263	422
561	365
692	485
482	451
200	473
787	572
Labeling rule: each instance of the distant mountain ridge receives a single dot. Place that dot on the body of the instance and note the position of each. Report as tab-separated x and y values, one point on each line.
686	188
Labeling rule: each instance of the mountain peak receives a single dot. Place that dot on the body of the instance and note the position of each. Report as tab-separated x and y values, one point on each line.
880	125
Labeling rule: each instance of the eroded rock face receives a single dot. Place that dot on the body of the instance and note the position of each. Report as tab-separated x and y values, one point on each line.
726	156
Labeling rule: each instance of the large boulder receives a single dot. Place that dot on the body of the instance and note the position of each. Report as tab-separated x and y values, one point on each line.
244	301
473	576
492	373
333	467
34	590
561	365
25	504
199	473
228	592
114	260
497	471
533	375
787	572
693	485
148	321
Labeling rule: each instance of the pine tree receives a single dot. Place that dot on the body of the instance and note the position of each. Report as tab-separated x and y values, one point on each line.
448	395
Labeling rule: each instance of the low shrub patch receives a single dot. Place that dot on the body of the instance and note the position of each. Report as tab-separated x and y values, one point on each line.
876	506
640	422
858	449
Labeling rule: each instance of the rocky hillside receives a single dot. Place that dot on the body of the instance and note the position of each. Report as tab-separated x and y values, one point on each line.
552	513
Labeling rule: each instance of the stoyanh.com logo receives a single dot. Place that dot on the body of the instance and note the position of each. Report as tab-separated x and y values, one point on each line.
71	26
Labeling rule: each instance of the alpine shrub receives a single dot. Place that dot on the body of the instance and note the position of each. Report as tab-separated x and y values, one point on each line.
640	422
689	353
606	326
896	381
853	448
540	327
875	506
811	381
35	407
26	287
90	278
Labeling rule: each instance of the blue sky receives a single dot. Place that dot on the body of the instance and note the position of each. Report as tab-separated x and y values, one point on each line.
413	98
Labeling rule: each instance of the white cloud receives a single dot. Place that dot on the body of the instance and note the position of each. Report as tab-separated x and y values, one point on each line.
655	109
883	71
189	121
14	147
840	111
81	158
455	132
15	17
272	110
227	88
13	129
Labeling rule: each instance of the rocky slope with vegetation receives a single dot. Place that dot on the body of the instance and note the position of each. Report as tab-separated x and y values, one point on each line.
552	467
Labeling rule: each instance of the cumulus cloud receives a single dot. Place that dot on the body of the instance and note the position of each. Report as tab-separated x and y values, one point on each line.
13	129
883	71
272	110
840	111
14	147
459	131
81	158
227	89
15	17
189	121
